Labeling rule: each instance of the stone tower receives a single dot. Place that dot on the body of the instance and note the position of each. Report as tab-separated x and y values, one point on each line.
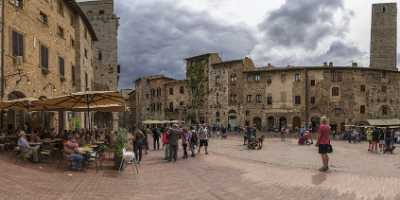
384	36
106	71
105	22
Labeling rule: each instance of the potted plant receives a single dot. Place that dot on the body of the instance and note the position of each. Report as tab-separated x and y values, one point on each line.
120	143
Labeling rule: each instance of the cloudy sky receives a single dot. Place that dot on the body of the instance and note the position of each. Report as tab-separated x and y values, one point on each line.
156	35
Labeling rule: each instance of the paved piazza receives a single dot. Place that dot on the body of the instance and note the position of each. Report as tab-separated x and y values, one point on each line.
282	170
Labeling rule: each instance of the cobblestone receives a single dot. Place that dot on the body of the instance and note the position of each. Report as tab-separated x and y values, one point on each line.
282	170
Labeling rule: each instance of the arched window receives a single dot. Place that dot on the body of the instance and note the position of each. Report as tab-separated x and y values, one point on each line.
171	107
335	91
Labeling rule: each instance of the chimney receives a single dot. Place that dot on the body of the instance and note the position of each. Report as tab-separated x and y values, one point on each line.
354	64
325	64
330	64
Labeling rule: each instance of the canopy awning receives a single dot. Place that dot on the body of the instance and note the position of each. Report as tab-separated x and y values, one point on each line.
102	101
152	122
384	122
75	101
162	122
18	104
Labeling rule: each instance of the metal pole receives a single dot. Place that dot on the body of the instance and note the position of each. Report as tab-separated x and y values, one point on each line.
88	113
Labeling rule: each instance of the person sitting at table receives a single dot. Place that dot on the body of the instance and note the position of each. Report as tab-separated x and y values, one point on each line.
26	149
35	136
72	153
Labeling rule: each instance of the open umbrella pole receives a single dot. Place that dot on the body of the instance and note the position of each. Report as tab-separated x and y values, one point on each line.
88	113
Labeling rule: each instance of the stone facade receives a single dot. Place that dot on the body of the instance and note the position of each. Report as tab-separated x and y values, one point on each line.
105	23
151	97
270	98
47	50
236	93
106	72
177	100
384	36
198	73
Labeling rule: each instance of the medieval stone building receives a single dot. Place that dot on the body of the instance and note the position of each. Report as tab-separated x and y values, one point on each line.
106	71
236	93
46	51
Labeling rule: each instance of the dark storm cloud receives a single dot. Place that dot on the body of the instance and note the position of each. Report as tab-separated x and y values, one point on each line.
155	37
304	23
340	53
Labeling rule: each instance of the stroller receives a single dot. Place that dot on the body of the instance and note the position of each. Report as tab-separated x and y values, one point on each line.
305	139
252	143
255	143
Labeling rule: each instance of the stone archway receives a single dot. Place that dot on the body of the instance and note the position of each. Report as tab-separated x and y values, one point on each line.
270	123
257	122
282	123
296	123
232	120
315	120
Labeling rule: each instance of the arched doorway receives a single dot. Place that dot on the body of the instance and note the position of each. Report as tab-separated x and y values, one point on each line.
16	119
232	120
103	120
296	124
270	123
257	122
315	123
282	122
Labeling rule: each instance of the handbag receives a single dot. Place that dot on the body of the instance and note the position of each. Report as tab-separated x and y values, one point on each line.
330	148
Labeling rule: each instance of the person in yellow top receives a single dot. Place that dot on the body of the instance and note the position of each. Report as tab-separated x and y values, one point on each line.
369	138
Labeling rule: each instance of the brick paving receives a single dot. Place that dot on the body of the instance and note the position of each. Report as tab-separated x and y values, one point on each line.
282	170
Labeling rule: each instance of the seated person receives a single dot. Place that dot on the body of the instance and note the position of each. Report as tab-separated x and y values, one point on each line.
26	149
35	136
71	150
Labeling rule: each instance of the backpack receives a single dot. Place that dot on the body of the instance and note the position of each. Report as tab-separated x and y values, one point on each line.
194	139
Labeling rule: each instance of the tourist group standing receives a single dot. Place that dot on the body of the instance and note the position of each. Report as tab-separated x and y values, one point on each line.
192	141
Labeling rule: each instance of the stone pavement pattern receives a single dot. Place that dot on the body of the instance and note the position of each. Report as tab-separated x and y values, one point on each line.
282	170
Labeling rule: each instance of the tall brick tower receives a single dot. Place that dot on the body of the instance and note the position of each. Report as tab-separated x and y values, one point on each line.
106	72
105	22
384	36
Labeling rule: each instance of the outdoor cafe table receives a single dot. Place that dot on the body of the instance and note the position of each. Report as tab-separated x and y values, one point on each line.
85	150
35	143
48	140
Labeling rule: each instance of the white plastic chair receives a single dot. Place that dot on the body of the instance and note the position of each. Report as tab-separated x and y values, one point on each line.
128	156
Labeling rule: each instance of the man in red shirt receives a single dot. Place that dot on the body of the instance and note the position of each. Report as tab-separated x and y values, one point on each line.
324	143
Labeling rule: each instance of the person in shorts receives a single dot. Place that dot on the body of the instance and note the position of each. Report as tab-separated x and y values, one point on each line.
381	140
369	138
324	143
203	136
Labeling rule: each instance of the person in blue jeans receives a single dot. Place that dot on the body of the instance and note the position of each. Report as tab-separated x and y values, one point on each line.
71	151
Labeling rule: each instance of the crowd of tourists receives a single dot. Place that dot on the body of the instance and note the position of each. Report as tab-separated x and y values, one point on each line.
191	140
381	140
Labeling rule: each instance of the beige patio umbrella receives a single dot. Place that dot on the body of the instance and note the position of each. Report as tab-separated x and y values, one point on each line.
84	101
19	104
